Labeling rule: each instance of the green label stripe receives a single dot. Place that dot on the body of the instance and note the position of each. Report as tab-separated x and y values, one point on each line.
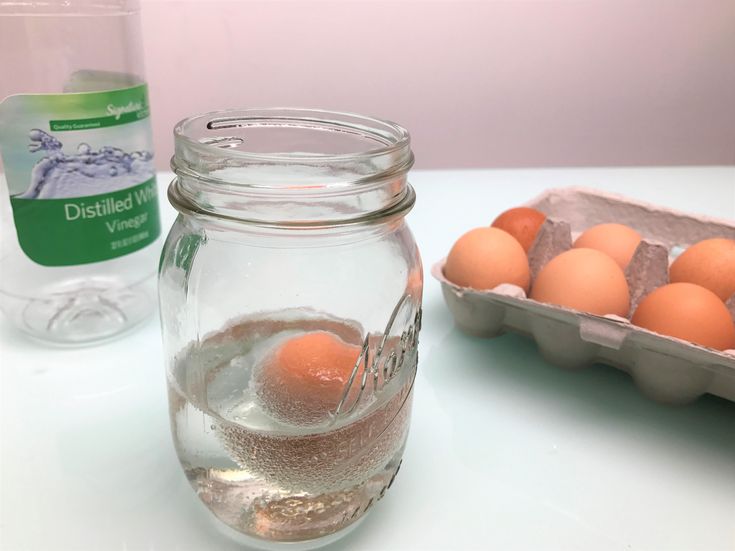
98	122
80	230
110	108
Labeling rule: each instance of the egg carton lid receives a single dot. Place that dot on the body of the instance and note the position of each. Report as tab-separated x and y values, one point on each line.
666	369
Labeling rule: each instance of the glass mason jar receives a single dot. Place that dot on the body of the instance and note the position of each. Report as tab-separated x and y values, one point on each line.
79	223
290	292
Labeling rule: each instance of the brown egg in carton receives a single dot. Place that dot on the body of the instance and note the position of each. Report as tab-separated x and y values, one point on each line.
666	369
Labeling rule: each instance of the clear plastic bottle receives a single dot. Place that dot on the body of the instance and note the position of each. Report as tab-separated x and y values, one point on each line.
78	196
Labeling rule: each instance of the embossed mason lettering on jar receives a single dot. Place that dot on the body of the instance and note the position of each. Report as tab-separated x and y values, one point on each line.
290	290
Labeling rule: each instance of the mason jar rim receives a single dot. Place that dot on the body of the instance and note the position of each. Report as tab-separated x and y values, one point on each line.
291	167
393	137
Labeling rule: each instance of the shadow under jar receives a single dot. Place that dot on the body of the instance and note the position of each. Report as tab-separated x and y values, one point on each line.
290	290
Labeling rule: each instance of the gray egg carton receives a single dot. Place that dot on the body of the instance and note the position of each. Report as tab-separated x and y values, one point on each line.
666	369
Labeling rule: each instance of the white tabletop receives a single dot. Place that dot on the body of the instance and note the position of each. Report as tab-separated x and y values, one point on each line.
505	451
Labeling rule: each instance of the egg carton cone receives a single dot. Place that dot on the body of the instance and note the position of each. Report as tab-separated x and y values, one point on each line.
666	369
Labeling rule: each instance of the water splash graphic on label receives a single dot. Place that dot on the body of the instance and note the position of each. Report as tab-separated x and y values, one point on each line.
59	175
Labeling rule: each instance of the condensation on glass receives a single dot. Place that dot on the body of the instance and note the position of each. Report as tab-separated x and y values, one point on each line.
290	293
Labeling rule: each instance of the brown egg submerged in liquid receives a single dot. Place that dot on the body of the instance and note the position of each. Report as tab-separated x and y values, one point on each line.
304	379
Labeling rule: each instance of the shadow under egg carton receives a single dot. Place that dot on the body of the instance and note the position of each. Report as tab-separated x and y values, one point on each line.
666	369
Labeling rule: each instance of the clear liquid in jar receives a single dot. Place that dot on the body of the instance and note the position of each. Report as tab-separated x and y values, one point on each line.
271	479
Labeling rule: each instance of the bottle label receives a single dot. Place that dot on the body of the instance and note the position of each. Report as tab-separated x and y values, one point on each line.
79	169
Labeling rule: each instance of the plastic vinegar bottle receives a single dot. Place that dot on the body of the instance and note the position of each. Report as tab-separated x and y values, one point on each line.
78	196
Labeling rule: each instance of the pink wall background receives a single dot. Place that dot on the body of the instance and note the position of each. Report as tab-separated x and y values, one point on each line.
478	83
